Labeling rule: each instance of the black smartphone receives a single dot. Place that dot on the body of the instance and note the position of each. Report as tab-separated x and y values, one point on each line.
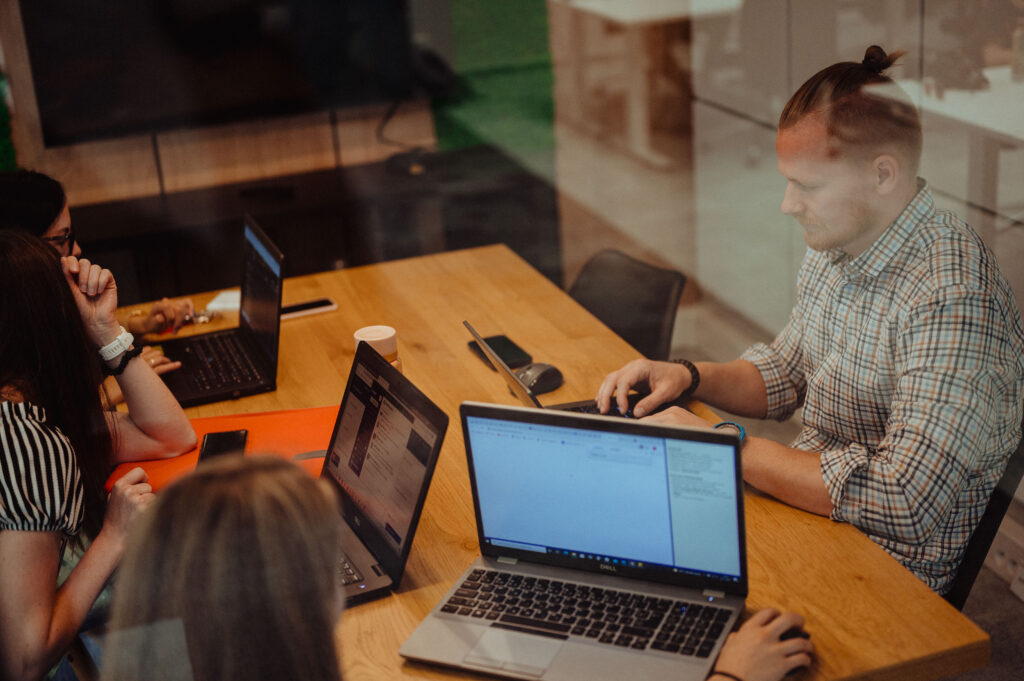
307	308
223	442
510	353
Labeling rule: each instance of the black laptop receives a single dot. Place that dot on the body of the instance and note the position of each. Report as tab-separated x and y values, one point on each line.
381	458
241	361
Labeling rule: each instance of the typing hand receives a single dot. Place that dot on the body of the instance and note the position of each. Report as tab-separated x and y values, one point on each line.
160	362
666	381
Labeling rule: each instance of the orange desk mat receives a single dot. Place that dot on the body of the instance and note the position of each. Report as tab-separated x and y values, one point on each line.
282	433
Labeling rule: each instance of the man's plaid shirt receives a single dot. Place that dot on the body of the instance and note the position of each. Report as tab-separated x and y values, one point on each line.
909	362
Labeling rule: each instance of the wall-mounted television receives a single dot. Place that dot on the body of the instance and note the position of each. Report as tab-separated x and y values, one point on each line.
109	68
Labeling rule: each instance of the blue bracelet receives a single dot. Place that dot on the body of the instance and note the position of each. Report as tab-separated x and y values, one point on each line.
743	433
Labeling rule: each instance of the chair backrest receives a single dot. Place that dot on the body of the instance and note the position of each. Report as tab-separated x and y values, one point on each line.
636	300
985	532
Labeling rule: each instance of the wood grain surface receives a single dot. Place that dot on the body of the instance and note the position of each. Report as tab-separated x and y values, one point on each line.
867	615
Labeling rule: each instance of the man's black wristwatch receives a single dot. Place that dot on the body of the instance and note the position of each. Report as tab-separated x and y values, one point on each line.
694	377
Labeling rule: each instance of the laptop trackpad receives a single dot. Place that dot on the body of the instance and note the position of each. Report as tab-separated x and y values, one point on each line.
520	653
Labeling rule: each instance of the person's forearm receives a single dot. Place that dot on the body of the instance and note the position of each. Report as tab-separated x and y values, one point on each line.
736	387
111	393
790	475
49	622
80	590
161	425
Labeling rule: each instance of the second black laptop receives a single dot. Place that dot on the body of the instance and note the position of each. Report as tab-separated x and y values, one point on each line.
241	361
380	461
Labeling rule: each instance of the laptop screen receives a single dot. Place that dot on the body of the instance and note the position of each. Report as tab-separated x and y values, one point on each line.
607	496
383	451
260	309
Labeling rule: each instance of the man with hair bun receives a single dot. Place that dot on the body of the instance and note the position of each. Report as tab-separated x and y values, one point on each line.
905	346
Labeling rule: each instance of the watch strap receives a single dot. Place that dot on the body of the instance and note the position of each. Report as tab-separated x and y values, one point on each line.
128	356
694	376
115	347
732	424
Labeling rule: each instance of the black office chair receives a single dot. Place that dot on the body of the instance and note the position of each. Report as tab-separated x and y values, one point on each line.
985	532
636	300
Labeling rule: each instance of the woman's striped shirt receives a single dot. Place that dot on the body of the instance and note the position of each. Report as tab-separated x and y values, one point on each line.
40	482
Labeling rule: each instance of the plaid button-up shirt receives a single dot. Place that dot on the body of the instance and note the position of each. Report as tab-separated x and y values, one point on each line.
909	362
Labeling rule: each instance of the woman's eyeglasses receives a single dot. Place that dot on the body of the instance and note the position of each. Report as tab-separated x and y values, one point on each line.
67	237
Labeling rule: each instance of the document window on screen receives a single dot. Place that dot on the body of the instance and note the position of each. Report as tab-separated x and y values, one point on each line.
380	455
645	499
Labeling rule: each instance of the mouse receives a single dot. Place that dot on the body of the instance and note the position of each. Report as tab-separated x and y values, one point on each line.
540	377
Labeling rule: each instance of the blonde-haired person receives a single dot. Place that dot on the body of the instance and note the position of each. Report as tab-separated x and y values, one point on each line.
228	578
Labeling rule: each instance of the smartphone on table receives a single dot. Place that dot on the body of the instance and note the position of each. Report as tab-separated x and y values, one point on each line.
221	443
307	308
505	348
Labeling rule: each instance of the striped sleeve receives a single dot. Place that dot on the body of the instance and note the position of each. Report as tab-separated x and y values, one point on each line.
40	483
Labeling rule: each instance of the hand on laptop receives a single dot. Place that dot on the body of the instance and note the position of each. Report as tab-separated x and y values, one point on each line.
666	382
160	362
155	358
755	652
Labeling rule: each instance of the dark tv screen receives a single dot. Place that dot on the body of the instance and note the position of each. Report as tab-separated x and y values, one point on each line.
109	68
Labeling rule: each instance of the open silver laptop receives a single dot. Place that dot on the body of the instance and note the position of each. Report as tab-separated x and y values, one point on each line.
611	549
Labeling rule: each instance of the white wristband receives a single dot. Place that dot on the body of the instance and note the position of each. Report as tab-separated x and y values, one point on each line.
115	347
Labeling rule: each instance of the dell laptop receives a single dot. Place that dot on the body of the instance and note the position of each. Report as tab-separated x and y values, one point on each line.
227	364
523	393
610	549
380	460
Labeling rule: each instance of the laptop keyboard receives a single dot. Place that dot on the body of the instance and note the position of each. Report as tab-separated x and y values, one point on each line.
348	572
619	618
220	361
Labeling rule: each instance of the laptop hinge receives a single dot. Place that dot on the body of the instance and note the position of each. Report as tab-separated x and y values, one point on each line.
507	560
713	594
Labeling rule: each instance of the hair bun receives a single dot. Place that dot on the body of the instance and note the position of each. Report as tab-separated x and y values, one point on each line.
877	61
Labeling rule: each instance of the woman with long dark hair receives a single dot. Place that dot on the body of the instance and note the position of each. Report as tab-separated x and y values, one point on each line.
58	445
36	203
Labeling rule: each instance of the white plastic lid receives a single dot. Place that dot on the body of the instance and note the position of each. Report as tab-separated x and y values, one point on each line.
383	339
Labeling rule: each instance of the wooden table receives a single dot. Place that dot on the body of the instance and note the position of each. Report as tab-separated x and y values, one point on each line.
869	617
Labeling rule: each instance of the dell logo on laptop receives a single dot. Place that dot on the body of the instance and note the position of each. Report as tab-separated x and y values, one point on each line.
606	566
